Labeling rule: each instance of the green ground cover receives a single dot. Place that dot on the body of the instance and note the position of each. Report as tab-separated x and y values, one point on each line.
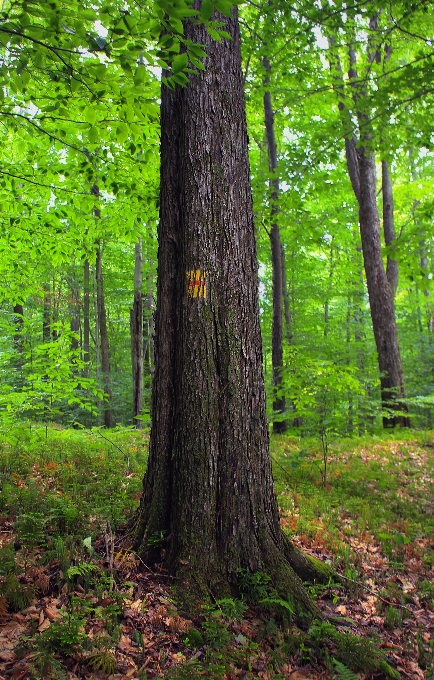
75	601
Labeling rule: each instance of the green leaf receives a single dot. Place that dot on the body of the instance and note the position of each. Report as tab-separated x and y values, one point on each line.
224	7
90	114
93	135
180	62
88	15
207	10
141	74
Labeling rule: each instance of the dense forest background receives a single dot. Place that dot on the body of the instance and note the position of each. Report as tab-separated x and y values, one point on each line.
79	194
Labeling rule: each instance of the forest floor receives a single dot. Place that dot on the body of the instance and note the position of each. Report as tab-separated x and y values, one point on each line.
75	603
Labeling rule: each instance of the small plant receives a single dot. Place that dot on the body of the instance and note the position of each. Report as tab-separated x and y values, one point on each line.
62	554
280	608
392	618
83	570
44	665
426	591
215	631
255	586
232	609
30	528
65	635
18	595
103	660
7	560
343	672
157	539
194	639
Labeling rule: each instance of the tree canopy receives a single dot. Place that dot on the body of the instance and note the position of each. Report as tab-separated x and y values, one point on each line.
80	108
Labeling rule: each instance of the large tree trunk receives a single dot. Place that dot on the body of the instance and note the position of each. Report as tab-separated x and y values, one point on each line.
392	271
136	327
279	425
103	334
208	487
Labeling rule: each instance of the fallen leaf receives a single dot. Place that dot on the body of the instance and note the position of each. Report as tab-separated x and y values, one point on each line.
44	625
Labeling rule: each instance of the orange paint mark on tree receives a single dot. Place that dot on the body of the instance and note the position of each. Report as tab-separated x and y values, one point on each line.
196	283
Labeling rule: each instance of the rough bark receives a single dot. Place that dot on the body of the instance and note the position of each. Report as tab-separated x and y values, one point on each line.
208	488
103	334
136	327
280	425
392	271
86	319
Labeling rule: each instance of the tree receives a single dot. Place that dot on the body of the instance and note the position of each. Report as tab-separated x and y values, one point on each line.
103	334
136	327
360	159
277	258
208	490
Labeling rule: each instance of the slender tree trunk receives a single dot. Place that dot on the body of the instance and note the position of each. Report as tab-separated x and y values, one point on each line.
208	484
55	309
392	271
103	333
350	427
148	327
75	322
286	302
136	326
361	170
18	335
280	425
148	335
46	315
329	290
380	297
86	319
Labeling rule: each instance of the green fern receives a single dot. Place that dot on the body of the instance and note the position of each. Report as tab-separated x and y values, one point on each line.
19	595
81	569
343	672
232	609
277	606
104	660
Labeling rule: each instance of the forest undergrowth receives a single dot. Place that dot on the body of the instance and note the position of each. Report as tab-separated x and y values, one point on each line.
77	602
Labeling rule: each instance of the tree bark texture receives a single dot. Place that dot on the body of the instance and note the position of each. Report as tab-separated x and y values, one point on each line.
280	425
136	327
208	488
103	334
392	271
